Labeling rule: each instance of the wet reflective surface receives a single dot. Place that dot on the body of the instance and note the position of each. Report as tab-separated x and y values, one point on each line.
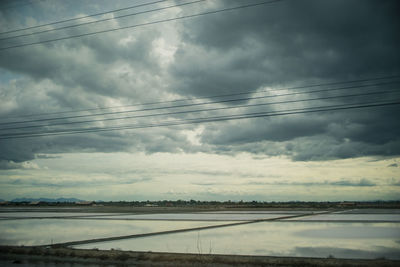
351	217
341	240
198	216
16	214
50	231
366	234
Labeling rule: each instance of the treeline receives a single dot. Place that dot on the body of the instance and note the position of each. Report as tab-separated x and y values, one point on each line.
258	204
220	204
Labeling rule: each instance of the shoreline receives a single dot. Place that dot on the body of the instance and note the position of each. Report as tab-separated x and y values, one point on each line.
36	256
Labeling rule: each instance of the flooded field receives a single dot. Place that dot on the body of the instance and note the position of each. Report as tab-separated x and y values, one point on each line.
31	232
197	216
351	217
30	214
342	240
362	234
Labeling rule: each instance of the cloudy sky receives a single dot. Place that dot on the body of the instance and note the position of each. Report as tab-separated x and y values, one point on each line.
136	106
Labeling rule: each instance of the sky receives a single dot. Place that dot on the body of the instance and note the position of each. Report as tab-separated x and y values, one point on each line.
155	105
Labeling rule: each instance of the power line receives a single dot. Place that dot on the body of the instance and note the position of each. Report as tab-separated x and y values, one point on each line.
82	17
201	110
103	20
140	25
128	126
207	97
199	104
206	120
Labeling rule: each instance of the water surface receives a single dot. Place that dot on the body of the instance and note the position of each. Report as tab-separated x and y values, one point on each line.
304	239
350	217
30	232
49	214
197	216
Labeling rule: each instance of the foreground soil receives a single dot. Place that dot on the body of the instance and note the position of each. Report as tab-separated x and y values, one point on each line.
42	256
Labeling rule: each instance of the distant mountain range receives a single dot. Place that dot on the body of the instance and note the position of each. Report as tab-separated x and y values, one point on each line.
50	200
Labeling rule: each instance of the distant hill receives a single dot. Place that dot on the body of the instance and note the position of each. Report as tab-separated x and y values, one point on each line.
50	200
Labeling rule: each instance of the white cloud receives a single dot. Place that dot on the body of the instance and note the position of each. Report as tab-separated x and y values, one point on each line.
233	52
141	176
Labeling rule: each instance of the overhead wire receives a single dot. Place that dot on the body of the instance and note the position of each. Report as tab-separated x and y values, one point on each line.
206	119
103	20
124	126
187	120
202	110
209	97
84	17
201	103
181	112
141	24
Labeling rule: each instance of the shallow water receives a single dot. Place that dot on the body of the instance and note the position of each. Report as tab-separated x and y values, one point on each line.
197	216
318	235
262	212
350	217
49	214
342	240
371	211
47	231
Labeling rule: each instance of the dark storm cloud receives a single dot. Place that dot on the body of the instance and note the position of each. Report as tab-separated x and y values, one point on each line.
9	165
15	151
314	148
362	182
19	150
324	148
85	65
80	73
274	129
290	43
93	182
311	137
343	182
44	156
396	183
287	43
87	70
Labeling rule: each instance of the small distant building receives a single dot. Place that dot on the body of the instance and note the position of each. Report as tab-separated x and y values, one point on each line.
151	205
34	203
347	204
84	203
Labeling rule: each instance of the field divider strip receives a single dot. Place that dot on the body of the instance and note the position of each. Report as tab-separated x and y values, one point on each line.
106	239
343	221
